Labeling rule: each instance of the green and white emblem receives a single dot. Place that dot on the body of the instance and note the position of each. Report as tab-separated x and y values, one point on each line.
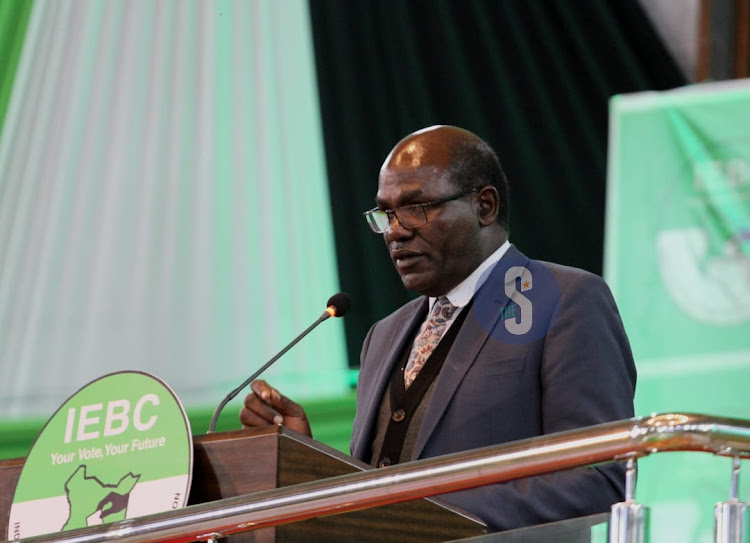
119	448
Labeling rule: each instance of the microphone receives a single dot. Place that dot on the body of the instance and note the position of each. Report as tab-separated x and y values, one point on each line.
337	306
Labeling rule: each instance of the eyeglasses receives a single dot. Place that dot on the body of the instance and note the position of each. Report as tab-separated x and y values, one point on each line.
411	216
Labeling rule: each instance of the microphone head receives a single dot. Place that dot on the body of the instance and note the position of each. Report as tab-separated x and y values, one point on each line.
338	304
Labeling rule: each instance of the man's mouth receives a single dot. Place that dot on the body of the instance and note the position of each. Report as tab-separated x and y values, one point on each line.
404	259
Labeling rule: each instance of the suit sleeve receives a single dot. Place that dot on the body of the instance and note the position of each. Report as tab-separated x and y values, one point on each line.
587	377
358	426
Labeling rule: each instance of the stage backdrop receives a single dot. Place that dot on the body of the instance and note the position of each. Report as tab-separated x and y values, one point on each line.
163	200
678	261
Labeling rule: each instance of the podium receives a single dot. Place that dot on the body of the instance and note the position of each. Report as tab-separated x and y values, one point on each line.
240	462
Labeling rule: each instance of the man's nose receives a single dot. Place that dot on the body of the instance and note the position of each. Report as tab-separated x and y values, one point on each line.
396	230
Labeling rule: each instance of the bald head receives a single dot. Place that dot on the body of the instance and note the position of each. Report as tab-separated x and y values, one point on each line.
429	147
457	156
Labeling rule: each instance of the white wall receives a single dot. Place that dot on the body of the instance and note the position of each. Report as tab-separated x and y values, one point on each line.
677	23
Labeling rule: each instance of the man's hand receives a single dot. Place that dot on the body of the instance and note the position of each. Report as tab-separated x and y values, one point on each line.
265	405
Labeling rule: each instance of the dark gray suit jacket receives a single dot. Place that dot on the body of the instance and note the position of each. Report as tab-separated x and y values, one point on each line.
580	373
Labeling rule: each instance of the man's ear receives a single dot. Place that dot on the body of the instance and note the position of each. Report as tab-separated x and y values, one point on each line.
488	200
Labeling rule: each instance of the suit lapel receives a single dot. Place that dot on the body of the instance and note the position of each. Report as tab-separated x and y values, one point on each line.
402	332
469	342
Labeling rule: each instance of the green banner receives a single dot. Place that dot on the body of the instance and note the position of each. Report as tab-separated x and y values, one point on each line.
119	448
678	261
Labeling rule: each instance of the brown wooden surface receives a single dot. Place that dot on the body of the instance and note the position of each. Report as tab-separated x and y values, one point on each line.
10	471
302	459
703	67
234	463
230	464
742	39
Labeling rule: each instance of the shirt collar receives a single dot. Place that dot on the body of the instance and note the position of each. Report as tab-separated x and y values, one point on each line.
461	294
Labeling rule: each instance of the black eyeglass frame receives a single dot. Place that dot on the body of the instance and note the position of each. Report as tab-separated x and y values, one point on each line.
393	213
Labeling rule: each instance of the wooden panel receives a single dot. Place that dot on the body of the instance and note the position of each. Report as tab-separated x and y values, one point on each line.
742	39
302	460
703	68
229	464
10	471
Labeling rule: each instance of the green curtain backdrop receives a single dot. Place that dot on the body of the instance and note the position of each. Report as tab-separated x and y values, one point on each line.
533	77
163	201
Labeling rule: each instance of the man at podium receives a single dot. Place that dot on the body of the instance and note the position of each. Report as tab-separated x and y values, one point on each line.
497	348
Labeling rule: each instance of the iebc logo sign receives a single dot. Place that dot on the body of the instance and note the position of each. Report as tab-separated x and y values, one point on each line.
119	448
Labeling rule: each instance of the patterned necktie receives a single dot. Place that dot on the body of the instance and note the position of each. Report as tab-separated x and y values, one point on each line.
429	336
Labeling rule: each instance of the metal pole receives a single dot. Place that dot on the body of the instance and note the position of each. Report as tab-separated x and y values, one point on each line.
731	518
614	441
629	521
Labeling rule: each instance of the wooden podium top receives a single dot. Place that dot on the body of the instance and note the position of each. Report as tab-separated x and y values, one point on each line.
229	464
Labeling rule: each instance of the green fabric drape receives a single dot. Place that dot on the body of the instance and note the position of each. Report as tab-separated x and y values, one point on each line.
532	77
14	17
